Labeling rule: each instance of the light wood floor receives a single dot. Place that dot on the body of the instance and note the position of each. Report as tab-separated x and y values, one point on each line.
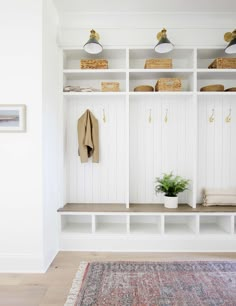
51	288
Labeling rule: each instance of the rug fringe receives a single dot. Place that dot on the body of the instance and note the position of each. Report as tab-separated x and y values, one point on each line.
76	284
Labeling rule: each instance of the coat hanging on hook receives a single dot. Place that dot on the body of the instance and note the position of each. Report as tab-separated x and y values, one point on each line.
87	129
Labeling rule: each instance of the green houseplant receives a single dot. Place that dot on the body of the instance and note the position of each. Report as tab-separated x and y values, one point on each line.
171	186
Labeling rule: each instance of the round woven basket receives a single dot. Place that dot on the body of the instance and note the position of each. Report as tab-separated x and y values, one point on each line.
216	87
231	89
144	88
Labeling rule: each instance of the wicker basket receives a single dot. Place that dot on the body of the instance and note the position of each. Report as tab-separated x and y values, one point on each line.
144	88
168	84
215	87
231	89
93	64
110	86
158	63
223	63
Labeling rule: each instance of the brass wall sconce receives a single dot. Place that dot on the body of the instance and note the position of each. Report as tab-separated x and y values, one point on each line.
92	46
164	45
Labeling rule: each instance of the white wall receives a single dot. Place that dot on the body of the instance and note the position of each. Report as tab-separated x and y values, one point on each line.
21	154
139	29
52	132
30	176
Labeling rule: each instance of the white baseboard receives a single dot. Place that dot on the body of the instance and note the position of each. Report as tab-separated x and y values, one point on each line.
21	263
48	259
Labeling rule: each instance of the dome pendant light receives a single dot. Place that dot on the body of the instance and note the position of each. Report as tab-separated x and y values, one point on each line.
231	38
92	46
164	45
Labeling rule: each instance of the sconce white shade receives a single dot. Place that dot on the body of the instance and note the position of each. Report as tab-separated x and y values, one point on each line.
230	37
231	48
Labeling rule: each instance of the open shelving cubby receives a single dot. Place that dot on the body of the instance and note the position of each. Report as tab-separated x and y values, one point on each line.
215	225
110	224
145	224
142	135
180	225
94	78
77	224
150	77
116	58
182	58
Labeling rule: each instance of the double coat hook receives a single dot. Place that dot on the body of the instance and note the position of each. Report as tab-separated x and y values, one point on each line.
228	118
212	117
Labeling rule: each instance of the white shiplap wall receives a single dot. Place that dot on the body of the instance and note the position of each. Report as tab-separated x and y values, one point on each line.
157	147
216	144
102	182
140	28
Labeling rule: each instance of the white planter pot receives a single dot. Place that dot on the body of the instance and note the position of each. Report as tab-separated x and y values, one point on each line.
171	202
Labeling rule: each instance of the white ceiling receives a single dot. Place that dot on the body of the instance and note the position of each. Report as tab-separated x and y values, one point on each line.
98	6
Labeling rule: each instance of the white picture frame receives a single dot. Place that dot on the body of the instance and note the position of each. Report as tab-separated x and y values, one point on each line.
12	118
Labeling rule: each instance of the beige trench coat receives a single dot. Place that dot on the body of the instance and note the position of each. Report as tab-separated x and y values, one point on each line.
87	128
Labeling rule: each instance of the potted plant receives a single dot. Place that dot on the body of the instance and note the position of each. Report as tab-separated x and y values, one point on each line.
171	186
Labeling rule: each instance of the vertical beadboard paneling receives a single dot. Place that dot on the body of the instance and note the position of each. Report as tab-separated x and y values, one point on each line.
149	151
232	127
227	159
158	146
133	152
202	147
103	182
216	149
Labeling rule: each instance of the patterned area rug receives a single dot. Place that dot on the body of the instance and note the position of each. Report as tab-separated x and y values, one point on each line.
154	283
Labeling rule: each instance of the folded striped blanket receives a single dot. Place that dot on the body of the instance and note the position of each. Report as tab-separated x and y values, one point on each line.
224	197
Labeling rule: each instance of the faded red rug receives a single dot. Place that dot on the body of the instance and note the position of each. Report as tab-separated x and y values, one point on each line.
154	283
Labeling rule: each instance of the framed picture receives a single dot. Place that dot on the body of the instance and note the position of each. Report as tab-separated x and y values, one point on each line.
12	118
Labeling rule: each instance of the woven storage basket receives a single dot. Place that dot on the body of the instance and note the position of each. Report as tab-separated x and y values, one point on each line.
168	84
158	63
93	64
216	87
144	88
110	86
223	63
231	89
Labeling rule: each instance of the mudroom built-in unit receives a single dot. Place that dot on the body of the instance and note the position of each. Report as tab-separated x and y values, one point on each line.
111	205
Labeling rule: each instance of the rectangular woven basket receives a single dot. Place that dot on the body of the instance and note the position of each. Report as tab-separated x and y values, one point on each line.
168	84
223	63
158	63
93	64
110	86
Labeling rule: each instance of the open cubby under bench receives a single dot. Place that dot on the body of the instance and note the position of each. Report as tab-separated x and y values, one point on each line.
147	227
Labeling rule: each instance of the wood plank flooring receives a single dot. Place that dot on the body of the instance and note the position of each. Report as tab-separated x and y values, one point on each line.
51	288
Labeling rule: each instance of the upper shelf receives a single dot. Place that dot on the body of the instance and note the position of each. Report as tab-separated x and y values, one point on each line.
116	58
126	66
206	56
181	58
226	77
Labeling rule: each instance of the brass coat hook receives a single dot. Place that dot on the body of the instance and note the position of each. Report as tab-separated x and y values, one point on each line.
212	117
228	118
166	116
